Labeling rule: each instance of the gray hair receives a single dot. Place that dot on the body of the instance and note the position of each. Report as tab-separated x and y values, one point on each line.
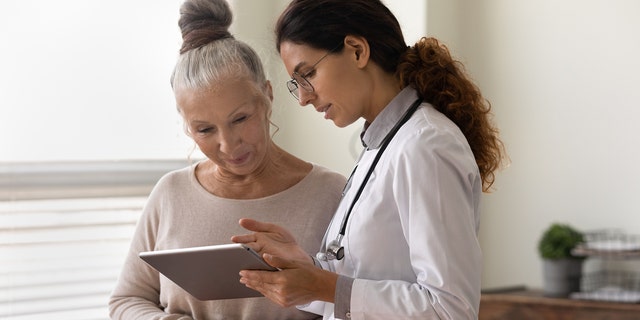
209	53
204	66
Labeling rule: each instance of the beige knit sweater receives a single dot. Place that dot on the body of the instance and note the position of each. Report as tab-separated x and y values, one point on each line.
181	213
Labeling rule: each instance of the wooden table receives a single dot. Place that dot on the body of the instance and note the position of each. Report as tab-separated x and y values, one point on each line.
531	304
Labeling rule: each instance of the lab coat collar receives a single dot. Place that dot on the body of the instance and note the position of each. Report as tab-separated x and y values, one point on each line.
373	134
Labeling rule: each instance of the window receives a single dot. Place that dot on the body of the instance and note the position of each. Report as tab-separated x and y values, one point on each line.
65	229
89	80
87	125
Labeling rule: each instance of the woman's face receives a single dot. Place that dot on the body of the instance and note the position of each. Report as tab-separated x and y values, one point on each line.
338	84
230	124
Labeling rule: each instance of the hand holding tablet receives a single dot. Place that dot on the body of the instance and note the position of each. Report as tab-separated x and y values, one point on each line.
208	272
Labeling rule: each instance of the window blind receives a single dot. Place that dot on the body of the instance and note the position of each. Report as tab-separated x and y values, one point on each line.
64	232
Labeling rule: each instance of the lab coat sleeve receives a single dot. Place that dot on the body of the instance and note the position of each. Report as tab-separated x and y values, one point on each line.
437	187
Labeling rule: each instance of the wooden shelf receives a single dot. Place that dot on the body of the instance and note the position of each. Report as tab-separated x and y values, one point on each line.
610	254
532	304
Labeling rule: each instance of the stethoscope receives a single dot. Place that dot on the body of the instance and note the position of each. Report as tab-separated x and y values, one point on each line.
334	249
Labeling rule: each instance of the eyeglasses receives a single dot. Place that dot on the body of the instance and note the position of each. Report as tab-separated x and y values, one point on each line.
300	80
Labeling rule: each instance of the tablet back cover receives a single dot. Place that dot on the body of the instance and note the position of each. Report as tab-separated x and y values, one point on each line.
210	272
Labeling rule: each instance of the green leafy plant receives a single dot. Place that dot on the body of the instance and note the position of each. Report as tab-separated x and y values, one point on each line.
558	241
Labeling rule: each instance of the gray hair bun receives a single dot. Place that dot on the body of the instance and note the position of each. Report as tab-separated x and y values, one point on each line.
204	21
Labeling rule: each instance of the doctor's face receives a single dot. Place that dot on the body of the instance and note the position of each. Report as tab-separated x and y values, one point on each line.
335	91
229	123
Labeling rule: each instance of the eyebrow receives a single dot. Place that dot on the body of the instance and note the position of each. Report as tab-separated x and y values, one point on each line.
240	108
299	65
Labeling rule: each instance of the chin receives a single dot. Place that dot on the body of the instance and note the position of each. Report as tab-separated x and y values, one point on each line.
341	124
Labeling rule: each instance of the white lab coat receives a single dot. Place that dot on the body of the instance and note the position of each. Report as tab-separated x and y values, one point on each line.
411	240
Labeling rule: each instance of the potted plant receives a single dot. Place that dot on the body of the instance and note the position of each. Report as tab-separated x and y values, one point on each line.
562	270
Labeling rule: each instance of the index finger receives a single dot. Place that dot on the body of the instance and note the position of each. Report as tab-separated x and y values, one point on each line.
258	226
255	226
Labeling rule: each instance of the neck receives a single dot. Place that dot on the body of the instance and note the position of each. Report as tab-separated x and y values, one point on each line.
385	88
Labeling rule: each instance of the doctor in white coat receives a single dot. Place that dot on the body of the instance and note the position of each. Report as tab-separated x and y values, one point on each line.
403	243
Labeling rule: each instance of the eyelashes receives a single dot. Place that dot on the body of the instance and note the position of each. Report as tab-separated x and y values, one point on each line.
240	119
206	130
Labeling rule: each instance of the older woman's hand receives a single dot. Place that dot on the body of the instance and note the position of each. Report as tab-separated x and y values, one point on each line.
272	239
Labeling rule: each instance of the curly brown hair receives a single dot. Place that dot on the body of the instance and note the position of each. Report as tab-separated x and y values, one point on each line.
440	80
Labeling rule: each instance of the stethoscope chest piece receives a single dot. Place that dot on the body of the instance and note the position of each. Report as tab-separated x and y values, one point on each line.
334	250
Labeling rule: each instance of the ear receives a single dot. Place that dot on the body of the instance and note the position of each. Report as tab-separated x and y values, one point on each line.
268	90
358	48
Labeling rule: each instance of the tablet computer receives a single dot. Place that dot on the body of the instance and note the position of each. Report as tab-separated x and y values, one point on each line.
209	272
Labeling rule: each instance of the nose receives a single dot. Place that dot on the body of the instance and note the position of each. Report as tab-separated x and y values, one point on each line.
228	140
304	97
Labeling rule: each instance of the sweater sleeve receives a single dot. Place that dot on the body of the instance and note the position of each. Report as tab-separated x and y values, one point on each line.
136	295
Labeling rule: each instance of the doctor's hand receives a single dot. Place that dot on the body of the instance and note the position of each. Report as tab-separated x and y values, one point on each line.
272	239
295	284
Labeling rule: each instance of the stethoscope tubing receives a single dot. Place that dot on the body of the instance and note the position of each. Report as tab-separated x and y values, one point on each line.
336	245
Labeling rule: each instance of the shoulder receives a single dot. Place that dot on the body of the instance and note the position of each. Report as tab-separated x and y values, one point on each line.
182	175
322	182
429	134
174	181
430	128
320	174
431	121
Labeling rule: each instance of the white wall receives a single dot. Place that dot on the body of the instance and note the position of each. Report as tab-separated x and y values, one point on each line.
87	80
562	79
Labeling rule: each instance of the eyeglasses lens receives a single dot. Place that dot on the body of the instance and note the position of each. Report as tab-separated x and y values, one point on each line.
292	85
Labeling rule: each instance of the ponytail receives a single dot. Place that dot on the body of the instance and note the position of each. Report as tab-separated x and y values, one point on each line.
440	80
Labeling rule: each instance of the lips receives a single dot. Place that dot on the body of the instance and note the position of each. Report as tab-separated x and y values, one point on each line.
324	109
239	160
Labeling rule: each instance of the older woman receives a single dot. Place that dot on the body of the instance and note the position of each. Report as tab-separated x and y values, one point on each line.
225	101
